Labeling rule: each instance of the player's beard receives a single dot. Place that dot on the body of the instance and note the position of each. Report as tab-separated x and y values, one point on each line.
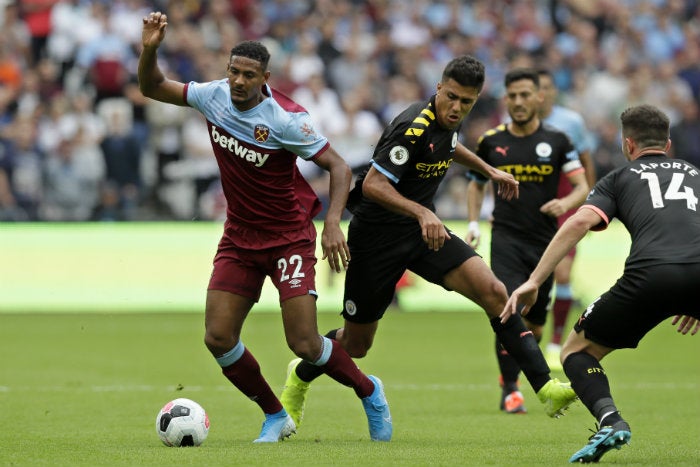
523	122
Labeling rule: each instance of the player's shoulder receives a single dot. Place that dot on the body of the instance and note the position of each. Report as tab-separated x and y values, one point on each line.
216	89
285	103
417	114
495	132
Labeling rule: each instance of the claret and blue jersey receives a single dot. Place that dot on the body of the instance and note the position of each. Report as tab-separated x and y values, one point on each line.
257	152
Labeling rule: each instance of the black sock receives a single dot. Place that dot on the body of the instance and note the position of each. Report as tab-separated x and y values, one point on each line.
591	384
509	368
307	371
522	347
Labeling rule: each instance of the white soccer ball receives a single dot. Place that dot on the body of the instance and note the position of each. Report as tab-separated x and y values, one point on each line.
182	422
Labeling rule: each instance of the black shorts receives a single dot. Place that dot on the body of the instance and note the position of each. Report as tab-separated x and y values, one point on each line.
380	254
512	261
639	300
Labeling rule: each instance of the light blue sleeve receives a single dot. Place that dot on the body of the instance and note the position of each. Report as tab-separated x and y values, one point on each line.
300	136
199	93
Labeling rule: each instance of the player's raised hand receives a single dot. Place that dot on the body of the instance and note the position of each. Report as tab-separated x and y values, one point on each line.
525	295
154	29
688	323
334	247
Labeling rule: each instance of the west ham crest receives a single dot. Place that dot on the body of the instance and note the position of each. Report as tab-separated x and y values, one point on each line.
261	133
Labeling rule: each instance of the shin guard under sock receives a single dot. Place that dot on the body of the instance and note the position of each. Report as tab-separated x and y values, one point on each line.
509	368
245	374
522	346
590	382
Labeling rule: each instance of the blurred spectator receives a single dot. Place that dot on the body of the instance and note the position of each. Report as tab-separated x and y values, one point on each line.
608	153
106	57
197	171
15	34
323	104
122	156
373	57
73	176
25	177
165	124
685	134
37	15
362	130
71	25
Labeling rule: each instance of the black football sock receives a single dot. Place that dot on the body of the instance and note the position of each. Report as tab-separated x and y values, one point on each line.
523	348
509	368
591	384
307	371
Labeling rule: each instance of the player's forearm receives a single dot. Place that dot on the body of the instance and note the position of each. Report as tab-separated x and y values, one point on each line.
377	188
577	196
570	233
149	73
339	187
587	163
470	160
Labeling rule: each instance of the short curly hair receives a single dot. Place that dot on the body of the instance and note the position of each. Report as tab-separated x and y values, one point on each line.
254	50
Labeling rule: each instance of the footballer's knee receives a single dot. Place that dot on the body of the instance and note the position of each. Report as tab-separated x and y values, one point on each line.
307	348
356	348
494	297
218	343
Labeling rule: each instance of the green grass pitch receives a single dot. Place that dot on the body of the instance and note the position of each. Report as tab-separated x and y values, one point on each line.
84	390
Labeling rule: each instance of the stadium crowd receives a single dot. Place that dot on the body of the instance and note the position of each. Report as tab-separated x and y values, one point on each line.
79	142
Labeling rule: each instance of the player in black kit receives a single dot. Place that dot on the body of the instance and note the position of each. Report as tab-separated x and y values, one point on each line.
655	197
536	155
394	228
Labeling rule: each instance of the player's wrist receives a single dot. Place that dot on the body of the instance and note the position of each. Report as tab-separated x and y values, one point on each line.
473	226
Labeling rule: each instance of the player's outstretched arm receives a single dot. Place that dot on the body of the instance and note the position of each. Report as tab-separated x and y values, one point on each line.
152	81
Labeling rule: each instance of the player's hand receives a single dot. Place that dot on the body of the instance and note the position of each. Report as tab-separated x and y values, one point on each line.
473	237
507	185
525	296
688	324
553	208
433	231
154	29
334	247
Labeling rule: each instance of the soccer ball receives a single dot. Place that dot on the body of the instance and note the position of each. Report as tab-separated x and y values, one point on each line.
182	422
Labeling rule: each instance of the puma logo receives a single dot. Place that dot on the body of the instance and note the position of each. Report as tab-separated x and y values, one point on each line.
502	150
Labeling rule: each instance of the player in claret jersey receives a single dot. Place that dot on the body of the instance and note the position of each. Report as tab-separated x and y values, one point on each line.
257	134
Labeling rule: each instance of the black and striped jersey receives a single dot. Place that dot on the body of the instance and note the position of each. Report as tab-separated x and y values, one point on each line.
656	198
536	161
414	153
